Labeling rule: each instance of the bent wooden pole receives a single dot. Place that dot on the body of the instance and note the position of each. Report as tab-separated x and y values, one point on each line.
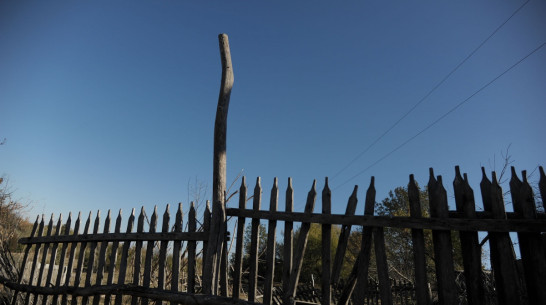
219	168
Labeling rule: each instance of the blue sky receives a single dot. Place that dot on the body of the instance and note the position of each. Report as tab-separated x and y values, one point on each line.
112	104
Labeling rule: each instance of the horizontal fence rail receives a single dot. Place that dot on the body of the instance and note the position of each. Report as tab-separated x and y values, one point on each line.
62	265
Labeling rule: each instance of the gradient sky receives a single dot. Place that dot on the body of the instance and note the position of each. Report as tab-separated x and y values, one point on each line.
111	104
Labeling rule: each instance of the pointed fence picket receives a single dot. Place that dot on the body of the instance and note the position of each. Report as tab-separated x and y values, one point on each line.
62	265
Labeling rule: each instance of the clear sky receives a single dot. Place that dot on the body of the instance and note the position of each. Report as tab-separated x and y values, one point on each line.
111	104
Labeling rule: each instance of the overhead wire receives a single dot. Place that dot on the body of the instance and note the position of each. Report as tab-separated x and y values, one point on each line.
358	156
441	117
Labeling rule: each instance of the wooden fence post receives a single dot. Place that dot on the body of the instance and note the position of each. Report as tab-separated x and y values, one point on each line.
326	245
422	293
530	244
219	169
503	261
443	248
470	246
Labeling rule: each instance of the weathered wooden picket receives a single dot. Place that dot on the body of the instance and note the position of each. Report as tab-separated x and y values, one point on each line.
136	267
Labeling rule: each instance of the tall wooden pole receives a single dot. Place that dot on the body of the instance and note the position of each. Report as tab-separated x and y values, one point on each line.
217	229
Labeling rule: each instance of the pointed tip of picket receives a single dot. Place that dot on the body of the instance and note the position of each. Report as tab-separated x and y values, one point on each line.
326	188
155	209
275	182
458	177
109	213
133	212
431	179
314	186
192	205
51	218
355	189
524	176
541	170
372	182
411	178
258	180
142	210
289	182
494	178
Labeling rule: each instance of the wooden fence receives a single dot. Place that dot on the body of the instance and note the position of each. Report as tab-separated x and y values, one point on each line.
106	268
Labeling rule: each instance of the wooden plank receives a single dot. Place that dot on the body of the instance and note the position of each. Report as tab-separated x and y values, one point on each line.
238	260
326	236
62	258
456	224
91	261
270	256
44	259
301	244
205	229
223	285
502	252
132	290
254	244
530	244
443	249
52	257
150	245
24	261
113	257
175	274
71	254
288	238
365	249
344	238
124	256
382	266
110	237
81	257
192	227
45	253
138	255
418	242
470	245
102	258
163	252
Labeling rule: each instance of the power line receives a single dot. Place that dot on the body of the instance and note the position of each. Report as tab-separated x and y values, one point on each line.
441	117
428	94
